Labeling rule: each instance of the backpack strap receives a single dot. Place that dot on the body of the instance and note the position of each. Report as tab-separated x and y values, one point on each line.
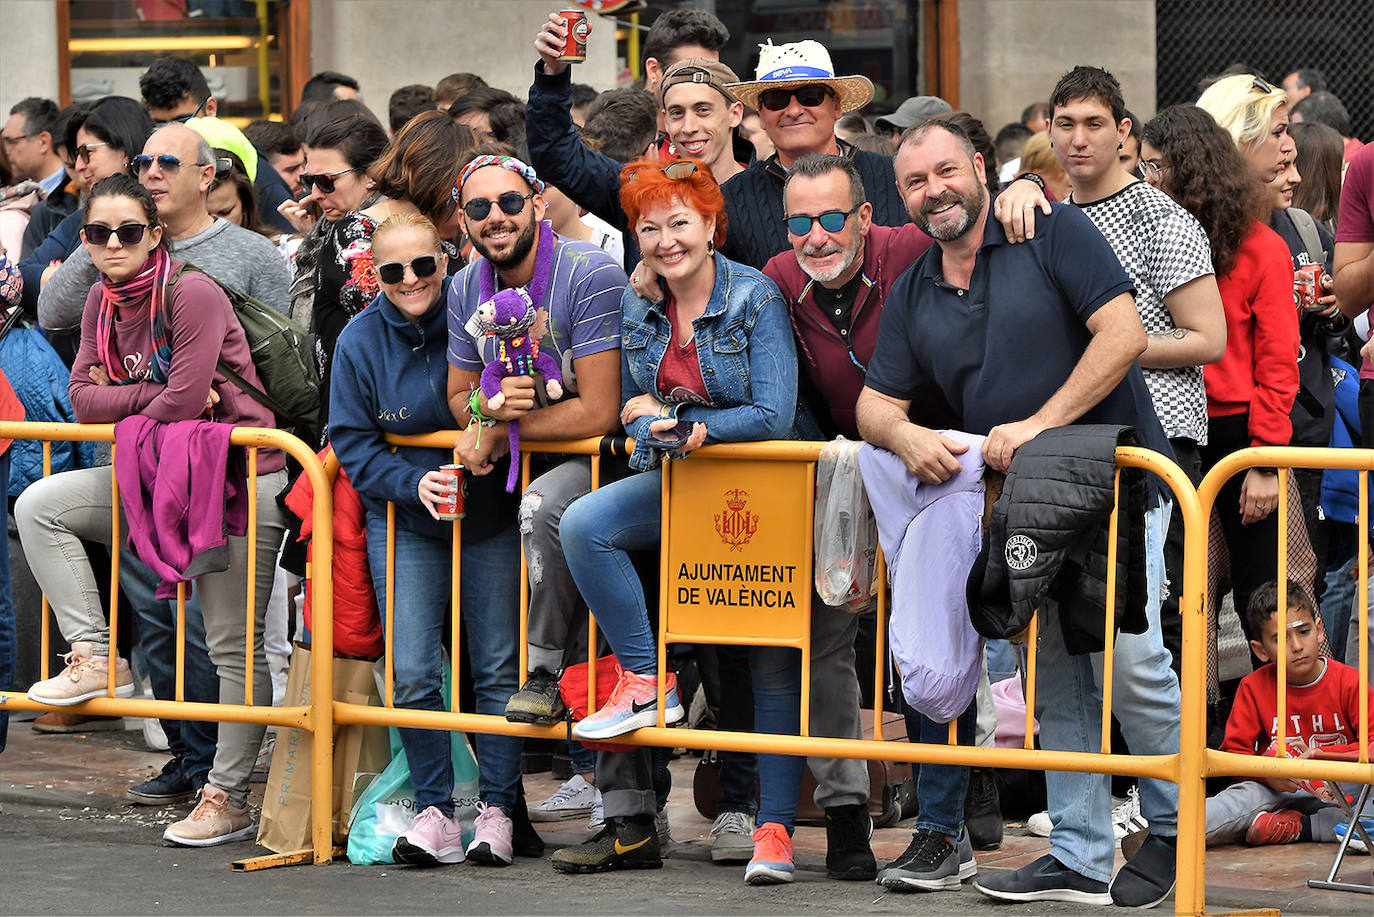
1306	226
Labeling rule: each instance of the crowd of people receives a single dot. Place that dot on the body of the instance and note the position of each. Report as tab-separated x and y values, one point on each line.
703	259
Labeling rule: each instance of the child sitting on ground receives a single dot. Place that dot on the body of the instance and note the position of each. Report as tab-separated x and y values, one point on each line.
1323	711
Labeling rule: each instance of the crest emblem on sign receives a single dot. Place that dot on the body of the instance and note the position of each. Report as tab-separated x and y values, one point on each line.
1021	552
736	525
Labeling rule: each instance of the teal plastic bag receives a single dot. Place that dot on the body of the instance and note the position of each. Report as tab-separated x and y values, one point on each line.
386	809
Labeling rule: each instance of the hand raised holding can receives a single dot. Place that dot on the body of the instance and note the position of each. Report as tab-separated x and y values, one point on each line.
563	30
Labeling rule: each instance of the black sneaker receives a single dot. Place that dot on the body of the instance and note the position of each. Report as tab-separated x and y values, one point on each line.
1148	877
524	840
167	788
622	844
848	856
930	863
538	701
1044	880
983	810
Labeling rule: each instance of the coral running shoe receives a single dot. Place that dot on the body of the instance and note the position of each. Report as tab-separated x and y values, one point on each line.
633	704
772	862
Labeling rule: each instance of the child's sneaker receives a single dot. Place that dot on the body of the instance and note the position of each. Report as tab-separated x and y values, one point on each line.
1281	827
433	838
85	677
213	821
574	798
633	704
1357	843
772	862
491	846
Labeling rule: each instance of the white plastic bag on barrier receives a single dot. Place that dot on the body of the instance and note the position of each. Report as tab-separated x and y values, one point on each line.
845	533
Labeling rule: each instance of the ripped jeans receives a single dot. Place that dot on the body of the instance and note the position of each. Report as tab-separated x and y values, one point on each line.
553	594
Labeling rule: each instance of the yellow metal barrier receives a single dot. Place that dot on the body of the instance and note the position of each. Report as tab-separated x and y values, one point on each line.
1211	762
315	718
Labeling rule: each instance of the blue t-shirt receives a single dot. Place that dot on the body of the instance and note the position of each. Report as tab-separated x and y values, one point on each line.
1000	349
582	301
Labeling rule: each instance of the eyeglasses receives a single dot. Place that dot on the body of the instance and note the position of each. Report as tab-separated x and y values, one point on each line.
324	179
83	152
831	221
13	141
165	162
807	96
677	170
182	119
129	234
1150	169
511	203
395	271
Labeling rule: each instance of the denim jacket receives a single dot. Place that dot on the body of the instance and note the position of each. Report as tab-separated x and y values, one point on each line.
747	356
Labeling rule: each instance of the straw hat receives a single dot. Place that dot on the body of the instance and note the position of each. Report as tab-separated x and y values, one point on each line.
802	63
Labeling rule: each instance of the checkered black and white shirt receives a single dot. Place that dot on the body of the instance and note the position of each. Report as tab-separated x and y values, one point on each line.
1162	247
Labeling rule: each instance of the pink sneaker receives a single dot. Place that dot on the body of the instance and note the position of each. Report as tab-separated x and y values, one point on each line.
432	839
86	676
492	845
633	703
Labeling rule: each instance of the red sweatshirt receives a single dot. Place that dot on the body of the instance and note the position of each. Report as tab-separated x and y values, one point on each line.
1324	714
1259	371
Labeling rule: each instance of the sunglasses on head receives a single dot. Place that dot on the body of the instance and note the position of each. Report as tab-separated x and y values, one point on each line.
324	179
395	271
165	162
831	221
83	152
129	234
511	203
1262	86
807	96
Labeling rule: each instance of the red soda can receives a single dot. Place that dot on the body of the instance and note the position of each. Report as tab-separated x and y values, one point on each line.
454	506
575	45
1307	285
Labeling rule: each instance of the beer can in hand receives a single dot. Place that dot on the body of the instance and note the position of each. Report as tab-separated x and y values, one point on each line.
1307	286
453	506
575	45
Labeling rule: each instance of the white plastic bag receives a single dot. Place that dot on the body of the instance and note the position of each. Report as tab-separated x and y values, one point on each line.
845	533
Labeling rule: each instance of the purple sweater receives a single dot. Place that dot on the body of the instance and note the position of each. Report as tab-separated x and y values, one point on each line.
203	329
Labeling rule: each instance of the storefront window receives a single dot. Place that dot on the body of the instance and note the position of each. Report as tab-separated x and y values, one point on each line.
240	46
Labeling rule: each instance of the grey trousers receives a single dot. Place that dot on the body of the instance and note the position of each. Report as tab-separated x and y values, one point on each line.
553	594
54	514
835	705
1230	812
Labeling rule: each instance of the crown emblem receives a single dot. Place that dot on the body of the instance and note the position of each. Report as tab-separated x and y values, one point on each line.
736	526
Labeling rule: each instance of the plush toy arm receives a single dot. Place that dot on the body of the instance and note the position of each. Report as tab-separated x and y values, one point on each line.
547	367
491	384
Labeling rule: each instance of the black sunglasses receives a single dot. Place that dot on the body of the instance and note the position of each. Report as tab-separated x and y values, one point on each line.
324	179
808	96
129	234
511	203
1262	85
165	161
831	221
395	271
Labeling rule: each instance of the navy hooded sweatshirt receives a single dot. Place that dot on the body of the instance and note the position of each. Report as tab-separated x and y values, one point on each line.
391	377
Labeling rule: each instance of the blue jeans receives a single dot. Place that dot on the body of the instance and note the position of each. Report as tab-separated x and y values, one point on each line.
940	788
8	637
597	531
1068	702
490	596
192	742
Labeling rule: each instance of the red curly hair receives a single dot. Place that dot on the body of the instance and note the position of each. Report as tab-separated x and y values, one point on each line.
643	186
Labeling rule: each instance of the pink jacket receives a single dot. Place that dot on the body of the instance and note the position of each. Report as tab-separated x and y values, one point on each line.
163	471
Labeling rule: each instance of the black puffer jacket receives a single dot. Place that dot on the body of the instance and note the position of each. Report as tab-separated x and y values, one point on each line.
1048	538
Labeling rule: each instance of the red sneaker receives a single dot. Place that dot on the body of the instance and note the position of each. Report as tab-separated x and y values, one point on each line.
1281	827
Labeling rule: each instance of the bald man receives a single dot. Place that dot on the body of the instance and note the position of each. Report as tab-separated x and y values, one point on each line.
177	167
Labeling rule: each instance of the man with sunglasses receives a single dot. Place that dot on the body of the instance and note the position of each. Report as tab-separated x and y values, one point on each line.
799	99
175	90
177	166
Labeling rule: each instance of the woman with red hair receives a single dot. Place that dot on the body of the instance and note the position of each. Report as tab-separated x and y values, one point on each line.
709	358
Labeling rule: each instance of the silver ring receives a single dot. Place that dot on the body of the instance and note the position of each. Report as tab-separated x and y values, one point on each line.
1029	207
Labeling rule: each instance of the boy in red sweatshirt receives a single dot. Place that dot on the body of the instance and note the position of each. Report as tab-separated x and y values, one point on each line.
1323	710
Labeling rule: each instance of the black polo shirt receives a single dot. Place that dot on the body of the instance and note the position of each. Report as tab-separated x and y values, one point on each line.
998	350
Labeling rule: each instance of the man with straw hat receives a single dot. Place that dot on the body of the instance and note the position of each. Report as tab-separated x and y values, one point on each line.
799	98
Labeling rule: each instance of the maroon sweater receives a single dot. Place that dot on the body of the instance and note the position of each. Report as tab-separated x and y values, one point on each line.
822	353
203	329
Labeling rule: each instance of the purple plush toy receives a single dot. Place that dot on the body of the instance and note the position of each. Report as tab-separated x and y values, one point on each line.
510	317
